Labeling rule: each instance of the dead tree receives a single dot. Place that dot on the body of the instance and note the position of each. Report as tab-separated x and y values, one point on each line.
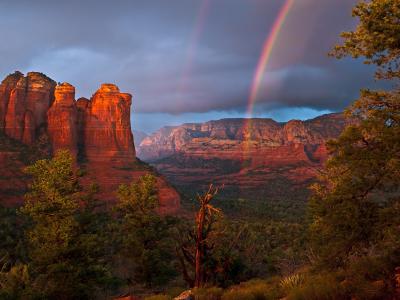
196	256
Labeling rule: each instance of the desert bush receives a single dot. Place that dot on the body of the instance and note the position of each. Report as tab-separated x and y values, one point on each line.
174	291
252	290
369	278
12	281
211	293
292	281
319	287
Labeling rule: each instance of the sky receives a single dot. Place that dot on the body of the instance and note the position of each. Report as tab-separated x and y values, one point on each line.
189	60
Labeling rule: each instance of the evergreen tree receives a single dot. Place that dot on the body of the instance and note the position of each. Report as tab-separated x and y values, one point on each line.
355	207
145	242
11	238
376	38
66	253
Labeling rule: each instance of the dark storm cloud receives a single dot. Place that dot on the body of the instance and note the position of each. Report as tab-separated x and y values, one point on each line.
154	50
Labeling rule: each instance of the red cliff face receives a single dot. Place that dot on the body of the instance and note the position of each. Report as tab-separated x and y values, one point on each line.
62	120
6	87
82	106
238	138
27	105
97	132
108	134
242	154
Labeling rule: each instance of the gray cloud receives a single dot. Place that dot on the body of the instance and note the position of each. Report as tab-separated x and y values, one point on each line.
175	62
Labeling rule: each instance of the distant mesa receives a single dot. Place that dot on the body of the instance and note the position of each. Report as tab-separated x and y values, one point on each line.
96	131
252	158
247	138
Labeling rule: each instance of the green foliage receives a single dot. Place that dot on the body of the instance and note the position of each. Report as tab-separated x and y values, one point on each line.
366	276
139	196
13	283
360	184
376	37
293	281
174	291
252	290
210	293
65	246
245	249
354	223
11	237
339	285
145	244
319	287
51	207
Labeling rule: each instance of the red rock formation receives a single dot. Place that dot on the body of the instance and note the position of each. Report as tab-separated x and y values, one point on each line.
29	128
82	105
62	119
97	132
28	101
108	134
15	116
241	154
6	86
234	138
39	96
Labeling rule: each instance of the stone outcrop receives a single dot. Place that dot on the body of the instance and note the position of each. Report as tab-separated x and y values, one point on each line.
108	133
24	105
62	124
99	128
6	86
97	132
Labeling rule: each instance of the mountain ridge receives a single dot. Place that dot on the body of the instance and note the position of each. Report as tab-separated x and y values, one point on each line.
251	158
237	132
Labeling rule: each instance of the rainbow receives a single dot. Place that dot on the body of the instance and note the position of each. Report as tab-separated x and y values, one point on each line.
266	54
263	61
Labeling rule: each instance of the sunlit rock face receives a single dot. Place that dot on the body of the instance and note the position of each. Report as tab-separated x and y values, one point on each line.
97	132
99	128
246	155
62	120
24	105
107	129
239	137
6	87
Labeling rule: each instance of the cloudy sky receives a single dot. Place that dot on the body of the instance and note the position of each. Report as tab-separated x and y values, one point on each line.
187	60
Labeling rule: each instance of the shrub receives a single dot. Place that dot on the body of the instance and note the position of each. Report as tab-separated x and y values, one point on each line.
319	287
174	291
252	290
211	293
292	281
367	278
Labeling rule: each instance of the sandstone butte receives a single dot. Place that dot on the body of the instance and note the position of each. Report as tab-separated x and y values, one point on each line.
36	112
268	158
